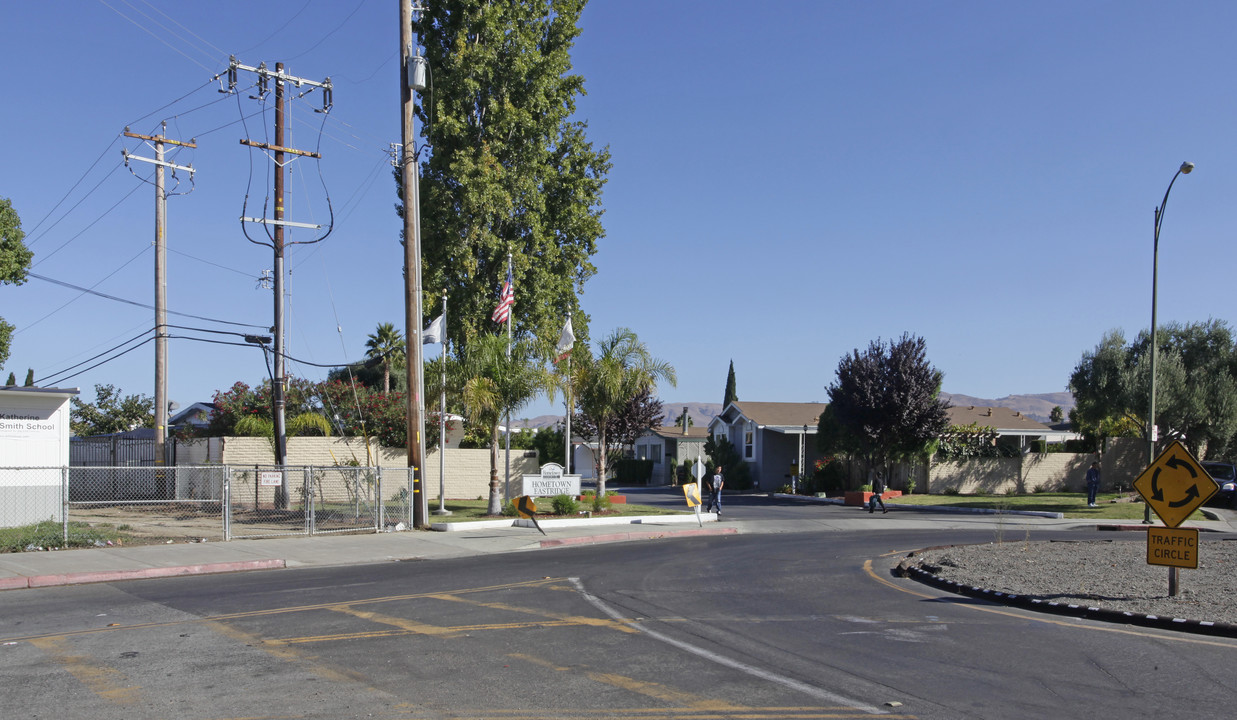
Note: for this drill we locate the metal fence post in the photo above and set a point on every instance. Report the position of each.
(226, 499)
(64, 503)
(381, 511)
(310, 500)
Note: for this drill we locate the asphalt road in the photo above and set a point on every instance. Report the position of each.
(796, 625)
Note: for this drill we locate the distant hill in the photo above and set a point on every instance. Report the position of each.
(1036, 407)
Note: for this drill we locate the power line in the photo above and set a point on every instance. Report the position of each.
(84, 290)
(208, 262)
(31, 240)
(57, 375)
(134, 303)
(152, 34)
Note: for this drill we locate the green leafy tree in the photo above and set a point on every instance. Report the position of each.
(607, 383)
(29, 378)
(550, 445)
(111, 412)
(1196, 387)
(722, 452)
(385, 344)
(510, 170)
(1056, 415)
(641, 412)
(501, 380)
(732, 393)
(15, 260)
(885, 403)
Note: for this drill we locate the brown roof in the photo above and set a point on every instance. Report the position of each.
(994, 417)
(694, 432)
(781, 414)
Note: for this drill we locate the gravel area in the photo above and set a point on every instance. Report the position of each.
(1109, 574)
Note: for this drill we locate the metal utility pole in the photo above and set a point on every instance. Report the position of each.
(412, 80)
(161, 288)
(277, 241)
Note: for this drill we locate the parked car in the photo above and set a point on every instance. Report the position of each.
(1225, 475)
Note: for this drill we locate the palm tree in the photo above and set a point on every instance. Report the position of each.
(498, 383)
(605, 384)
(387, 343)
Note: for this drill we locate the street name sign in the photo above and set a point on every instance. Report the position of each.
(1175, 485)
(1174, 547)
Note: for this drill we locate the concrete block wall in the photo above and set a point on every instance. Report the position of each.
(467, 471)
(993, 476)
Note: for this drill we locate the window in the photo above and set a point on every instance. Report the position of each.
(749, 441)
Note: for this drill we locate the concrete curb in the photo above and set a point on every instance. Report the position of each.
(103, 576)
(644, 535)
(1200, 627)
(929, 508)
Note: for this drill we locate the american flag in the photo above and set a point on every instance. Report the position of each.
(505, 300)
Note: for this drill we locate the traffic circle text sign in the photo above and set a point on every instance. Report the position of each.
(1175, 485)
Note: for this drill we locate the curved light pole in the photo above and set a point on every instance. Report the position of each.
(1185, 169)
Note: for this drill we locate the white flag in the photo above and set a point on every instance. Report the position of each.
(565, 341)
(433, 334)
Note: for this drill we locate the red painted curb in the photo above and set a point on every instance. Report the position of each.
(645, 535)
(146, 573)
(12, 583)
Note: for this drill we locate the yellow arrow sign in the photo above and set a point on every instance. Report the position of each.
(692, 492)
(1175, 485)
(525, 506)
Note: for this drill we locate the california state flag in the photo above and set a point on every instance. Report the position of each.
(565, 341)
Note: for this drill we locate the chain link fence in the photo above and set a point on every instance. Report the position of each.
(199, 503)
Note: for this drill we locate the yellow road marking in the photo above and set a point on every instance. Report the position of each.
(106, 682)
(408, 626)
(574, 619)
(1031, 615)
(653, 690)
(285, 610)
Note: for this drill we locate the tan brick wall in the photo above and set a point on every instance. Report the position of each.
(990, 475)
(1046, 472)
(467, 471)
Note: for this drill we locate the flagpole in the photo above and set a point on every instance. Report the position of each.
(442, 418)
(510, 313)
(568, 449)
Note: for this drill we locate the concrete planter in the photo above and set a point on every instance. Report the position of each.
(614, 499)
(859, 498)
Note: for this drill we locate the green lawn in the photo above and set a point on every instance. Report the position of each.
(1112, 506)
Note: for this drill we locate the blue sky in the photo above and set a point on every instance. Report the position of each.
(791, 180)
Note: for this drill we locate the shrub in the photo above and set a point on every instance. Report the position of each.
(910, 487)
(564, 505)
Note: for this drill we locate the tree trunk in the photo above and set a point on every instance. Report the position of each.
(495, 507)
(601, 461)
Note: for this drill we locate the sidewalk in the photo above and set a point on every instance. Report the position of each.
(69, 567)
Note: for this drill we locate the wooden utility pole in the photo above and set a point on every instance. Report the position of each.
(412, 68)
(279, 379)
(161, 287)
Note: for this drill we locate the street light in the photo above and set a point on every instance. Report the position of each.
(1185, 169)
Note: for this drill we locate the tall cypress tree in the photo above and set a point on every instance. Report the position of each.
(30, 377)
(731, 393)
(509, 169)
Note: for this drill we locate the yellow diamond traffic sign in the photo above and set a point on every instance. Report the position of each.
(1175, 485)
(692, 492)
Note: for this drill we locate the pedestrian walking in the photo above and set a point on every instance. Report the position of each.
(878, 489)
(1093, 483)
(715, 491)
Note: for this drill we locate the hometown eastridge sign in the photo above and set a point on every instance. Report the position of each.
(551, 482)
